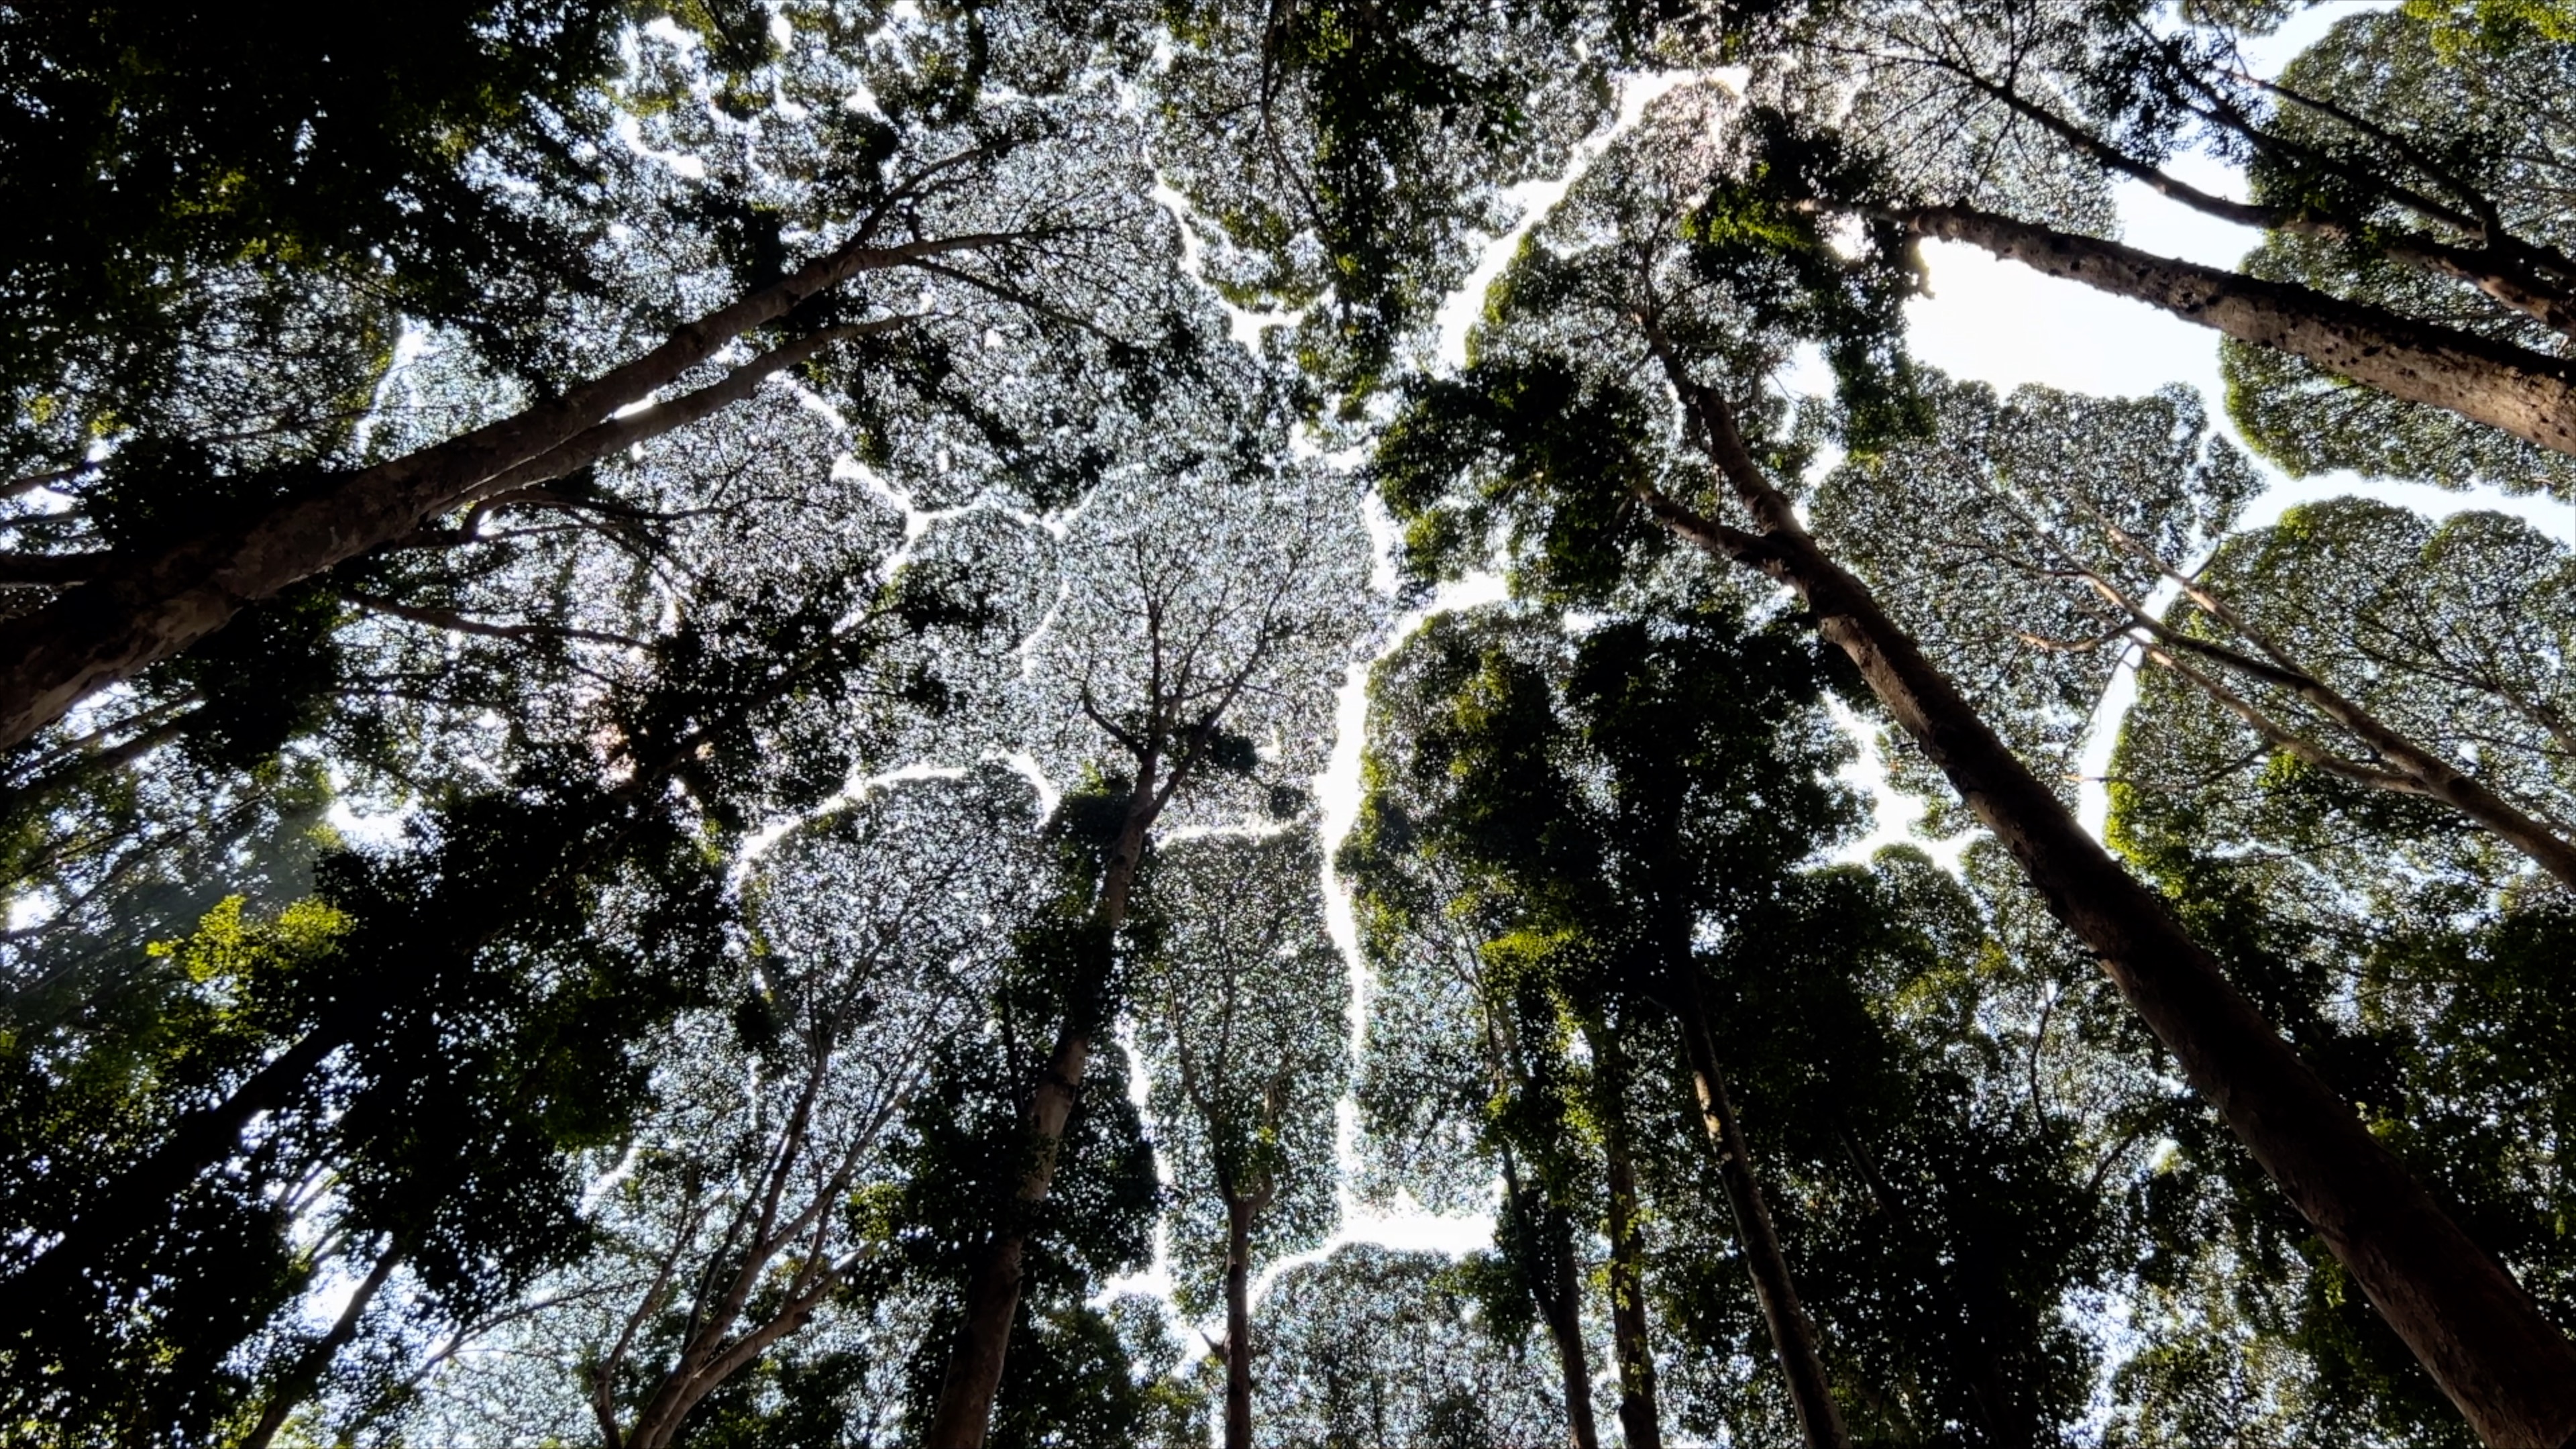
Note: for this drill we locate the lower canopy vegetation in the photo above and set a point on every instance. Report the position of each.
(810, 724)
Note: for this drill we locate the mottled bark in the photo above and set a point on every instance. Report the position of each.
(2528, 394)
(2486, 1343)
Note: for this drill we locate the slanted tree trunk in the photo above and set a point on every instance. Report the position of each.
(974, 1375)
(1638, 1419)
(147, 607)
(2528, 394)
(305, 1376)
(2486, 1343)
(1793, 1335)
(1559, 1307)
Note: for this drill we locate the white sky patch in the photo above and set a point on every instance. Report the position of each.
(2005, 325)
(1243, 325)
(1894, 815)
(630, 131)
(1458, 315)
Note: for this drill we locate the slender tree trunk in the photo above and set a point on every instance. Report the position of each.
(1559, 1307)
(1638, 1420)
(148, 607)
(1793, 1335)
(306, 1374)
(964, 1411)
(2404, 767)
(2510, 1370)
(1562, 1307)
(1238, 1323)
(2528, 394)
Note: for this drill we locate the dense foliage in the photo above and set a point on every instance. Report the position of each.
(840, 723)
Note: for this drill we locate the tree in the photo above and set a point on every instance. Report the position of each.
(204, 198)
(497, 964)
(2411, 251)
(2049, 521)
(741, 1221)
(935, 197)
(2476, 1331)
(1196, 593)
(1241, 1007)
(1493, 776)
(1385, 1349)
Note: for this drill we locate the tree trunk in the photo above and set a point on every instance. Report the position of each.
(964, 1411)
(306, 1375)
(2487, 1344)
(2528, 394)
(2404, 767)
(1793, 1336)
(152, 606)
(1638, 1420)
(1560, 1308)
(1238, 1323)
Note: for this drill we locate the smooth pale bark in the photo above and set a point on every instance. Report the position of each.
(305, 1376)
(2528, 394)
(148, 607)
(1793, 1334)
(2487, 1344)
(974, 1375)
(1639, 1422)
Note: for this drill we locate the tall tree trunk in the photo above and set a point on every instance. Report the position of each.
(1559, 1305)
(1638, 1420)
(2486, 1343)
(1238, 1323)
(1793, 1335)
(2528, 394)
(964, 1411)
(301, 1380)
(148, 607)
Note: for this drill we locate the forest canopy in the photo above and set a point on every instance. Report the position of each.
(823, 724)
